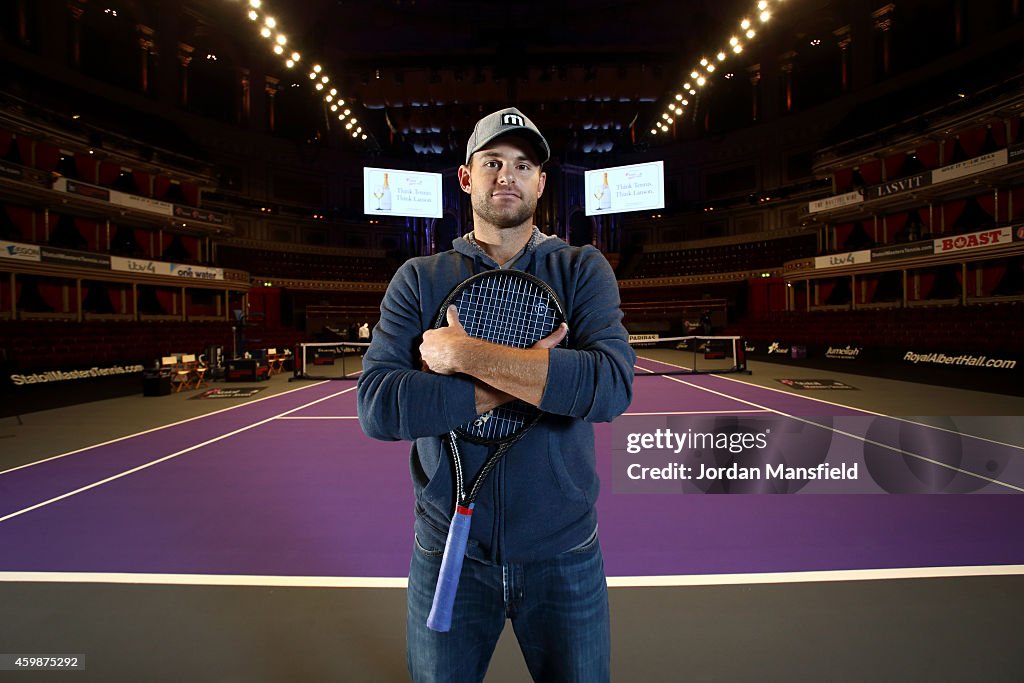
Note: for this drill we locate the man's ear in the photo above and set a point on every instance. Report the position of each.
(540, 183)
(465, 182)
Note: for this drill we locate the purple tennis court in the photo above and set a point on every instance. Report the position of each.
(288, 486)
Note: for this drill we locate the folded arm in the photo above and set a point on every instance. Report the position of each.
(503, 372)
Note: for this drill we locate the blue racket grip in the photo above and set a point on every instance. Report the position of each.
(440, 617)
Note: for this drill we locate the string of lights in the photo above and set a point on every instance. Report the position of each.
(268, 29)
(702, 73)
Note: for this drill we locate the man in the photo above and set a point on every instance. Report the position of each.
(533, 554)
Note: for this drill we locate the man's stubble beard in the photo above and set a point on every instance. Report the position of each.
(503, 219)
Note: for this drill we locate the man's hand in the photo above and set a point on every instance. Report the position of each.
(442, 349)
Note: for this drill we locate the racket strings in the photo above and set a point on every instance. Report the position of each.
(506, 310)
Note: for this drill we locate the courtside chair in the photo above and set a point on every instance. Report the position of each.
(199, 373)
(183, 375)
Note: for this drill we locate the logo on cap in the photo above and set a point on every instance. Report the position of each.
(512, 120)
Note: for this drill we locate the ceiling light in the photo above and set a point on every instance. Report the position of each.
(765, 16)
(750, 33)
(271, 22)
(265, 32)
(296, 56)
(281, 40)
(738, 49)
(254, 15)
(745, 24)
(289, 63)
(278, 49)
(255, 4)
(316, 68)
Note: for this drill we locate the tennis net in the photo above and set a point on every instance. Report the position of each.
(693, 355)
(655, 356)
(329, 360)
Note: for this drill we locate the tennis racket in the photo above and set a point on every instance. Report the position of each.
(506, 307)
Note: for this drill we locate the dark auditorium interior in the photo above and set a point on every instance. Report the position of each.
(182, 191)
(810, 183)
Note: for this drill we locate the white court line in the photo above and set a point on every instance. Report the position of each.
(167, 457)
(848, 434)
(700, 412)
(815, 576)
(828, 576)
(1019, 447)
(156, 429)
(321, 417)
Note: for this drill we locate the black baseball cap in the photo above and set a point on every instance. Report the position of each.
(504, 122)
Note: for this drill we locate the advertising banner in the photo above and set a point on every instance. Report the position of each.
(19, 251)
(850, 258)
(637, 187)
(390, 192)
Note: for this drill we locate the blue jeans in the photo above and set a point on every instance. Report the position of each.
(558, 608)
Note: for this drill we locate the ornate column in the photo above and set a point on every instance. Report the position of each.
(786, 69)
(754, 75)
(77, 9)
(146, 45)
(883, 17)
(270, 88)
(245, 97)
(22, 20)
(184, 58)
(843, 40)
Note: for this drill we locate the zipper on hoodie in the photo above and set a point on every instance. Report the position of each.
(499, 512)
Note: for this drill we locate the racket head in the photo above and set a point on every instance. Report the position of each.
(511, 308)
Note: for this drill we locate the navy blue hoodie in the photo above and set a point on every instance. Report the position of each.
(540, 499)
